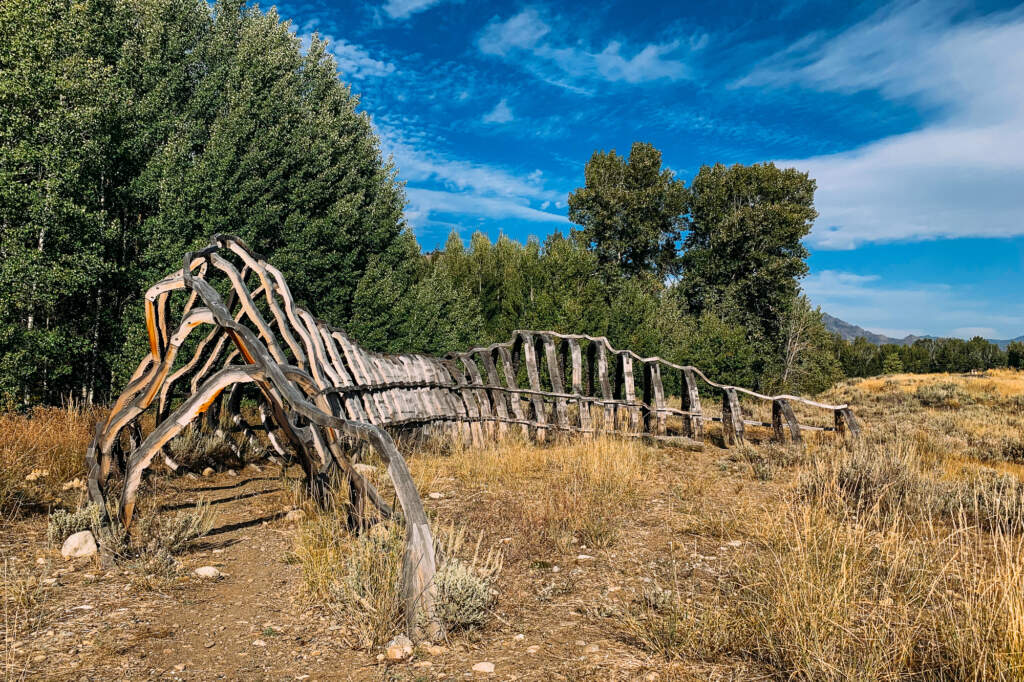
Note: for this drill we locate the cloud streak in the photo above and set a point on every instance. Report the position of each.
(442, 184)
(527, 38)
(917, 308)
(959, 175)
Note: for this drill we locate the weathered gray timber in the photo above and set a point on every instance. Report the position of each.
(320, 395)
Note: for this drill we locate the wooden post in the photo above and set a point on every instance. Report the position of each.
(732, 418)
(846, 423)
(782, 417)
(693, 426)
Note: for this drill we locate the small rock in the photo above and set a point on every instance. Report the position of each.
(584, 557)
(208, 471)
(436, 496)
(258, 642)
(189, 475)
(364, 469)
(49, 582)
(179, 667)
(505, 541)
(532, 649)
(39, 658)
(207, 572)
(81, 544)
(483, 667)
(209, 645)
(422, 664)
(591, 649)
(40, 561)
(254, 467)
(555, 569)
(399, 649)
(580, 642)
(380, 657)
(520, 637)
(232, 472)
(734, 543)
(295, 516)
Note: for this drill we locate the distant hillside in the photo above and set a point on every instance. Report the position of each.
(849, 332)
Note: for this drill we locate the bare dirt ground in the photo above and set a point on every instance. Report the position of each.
(554, 618)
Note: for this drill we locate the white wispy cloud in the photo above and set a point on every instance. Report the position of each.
(439, 183)
(528, 37)
(959, 175)
(500, 114)
(403, 9)
(354, 61)
(916, 308)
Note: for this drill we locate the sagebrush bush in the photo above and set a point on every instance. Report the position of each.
(464, 597)
(885, 479)
(465, 588)
(942, 395)
(63, 523)
(990, 499)
(173, 535)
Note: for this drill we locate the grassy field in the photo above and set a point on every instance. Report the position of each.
(900, 556)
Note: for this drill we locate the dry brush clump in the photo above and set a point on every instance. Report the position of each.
(359, 576)
(41, 452)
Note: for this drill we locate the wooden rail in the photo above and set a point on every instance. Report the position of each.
(319, 392)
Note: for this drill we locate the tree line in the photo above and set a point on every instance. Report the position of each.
(132, 130)
(860, 358)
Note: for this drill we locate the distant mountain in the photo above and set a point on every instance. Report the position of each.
(849, 332)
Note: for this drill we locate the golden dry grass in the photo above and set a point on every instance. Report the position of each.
(901, 557)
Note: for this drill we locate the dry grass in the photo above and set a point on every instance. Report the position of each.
(899, 557)
(567, 493)
(40, 451)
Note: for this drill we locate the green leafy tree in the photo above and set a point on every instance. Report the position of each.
(132, 130)
(632, 212)
(1015, 355)
(892, 364)
(743, 248)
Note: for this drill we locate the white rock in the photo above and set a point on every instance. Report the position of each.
(520, 637)
(483, 667)
(81, 544)
(584, 557)
(532, 649)
(734, 543)
(40, 561)
(232, 472)
(208, 471)
(295, 516)
(436, 496)
(208, 572)
(259, 642)
(591, 649)
(399, 649)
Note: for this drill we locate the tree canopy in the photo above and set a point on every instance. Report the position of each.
(132, 130)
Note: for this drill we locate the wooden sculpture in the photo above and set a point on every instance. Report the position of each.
(321, 394)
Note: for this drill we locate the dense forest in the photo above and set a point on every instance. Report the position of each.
(132, 130)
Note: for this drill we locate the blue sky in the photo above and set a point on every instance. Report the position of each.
(910, 116)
